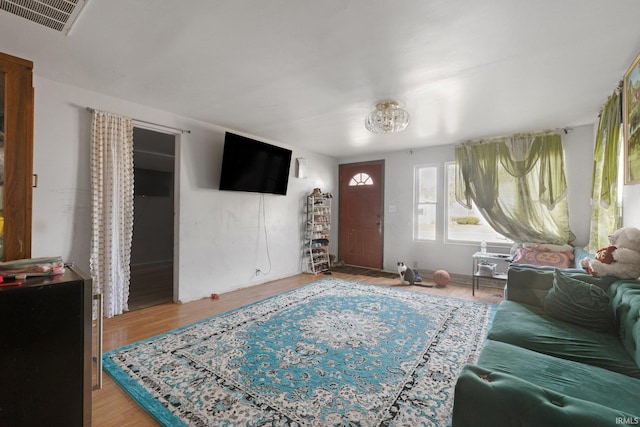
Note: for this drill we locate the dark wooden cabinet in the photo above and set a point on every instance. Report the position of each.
(45, 351)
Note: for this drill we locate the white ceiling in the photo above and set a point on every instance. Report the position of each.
(306, 73)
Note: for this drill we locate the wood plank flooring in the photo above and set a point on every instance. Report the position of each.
(151, 284)
(113, 407)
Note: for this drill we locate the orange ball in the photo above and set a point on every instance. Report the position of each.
(441, 278)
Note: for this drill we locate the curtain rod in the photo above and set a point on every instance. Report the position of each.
(91, 110)
(555, 131)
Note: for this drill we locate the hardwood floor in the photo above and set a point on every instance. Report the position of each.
(113, 407)
(151, 284)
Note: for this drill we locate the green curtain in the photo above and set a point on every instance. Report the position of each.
(605, 205)
(518, 185)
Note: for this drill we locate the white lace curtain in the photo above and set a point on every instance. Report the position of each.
(112, 208)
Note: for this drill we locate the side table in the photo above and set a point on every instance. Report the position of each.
(499, 274)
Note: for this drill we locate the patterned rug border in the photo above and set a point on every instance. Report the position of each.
(162, 414)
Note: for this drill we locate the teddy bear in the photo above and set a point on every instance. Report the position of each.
(620, 259)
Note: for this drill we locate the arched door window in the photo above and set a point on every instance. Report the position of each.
(360, 179)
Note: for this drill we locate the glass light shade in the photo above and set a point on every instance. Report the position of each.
(388, 117)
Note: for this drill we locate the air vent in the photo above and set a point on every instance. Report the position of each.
(56, 14)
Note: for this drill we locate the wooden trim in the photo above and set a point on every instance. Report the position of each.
(15, 60)
(627, 99)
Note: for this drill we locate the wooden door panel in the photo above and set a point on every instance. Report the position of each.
(353, 246)
(18, 157)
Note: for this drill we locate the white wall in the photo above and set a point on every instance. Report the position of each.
(220, 234)
(456, 258)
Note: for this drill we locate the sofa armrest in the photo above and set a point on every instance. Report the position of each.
(485, 398)
(625, 300)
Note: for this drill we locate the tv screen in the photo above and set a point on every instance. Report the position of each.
(147, 182)
(254, 166)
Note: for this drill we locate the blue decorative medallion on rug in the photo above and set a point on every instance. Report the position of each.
(332, 353)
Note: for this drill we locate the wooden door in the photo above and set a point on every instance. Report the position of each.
(361, 213)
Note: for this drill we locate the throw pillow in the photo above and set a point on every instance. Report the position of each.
(543, 257)
(578, 302)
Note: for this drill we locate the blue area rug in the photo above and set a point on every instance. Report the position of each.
(334, 352)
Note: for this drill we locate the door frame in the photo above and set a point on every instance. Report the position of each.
(177, 135)
(382, 201)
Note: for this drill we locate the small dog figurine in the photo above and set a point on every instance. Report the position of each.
(406, 274)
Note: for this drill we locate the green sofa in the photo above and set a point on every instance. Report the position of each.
(536, 370)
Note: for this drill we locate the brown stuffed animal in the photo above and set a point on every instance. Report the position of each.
(605, 255)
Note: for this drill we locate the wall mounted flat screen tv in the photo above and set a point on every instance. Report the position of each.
(254, 166)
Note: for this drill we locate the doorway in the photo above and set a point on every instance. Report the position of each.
(152, 248)
(361, 213)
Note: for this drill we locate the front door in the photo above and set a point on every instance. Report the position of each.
(361, 209)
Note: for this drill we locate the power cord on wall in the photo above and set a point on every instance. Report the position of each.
(266, 236)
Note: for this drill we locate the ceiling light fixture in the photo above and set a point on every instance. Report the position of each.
(388, 117)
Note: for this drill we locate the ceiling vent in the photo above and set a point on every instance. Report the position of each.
(56, 14)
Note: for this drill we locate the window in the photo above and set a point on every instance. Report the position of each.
(426, 199)
(361, 179)
(464, 224)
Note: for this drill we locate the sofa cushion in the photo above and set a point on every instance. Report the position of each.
(529, 284)
(530, 327)
(562, 376)
(487, 398)
(579, 302)
(625, 300)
